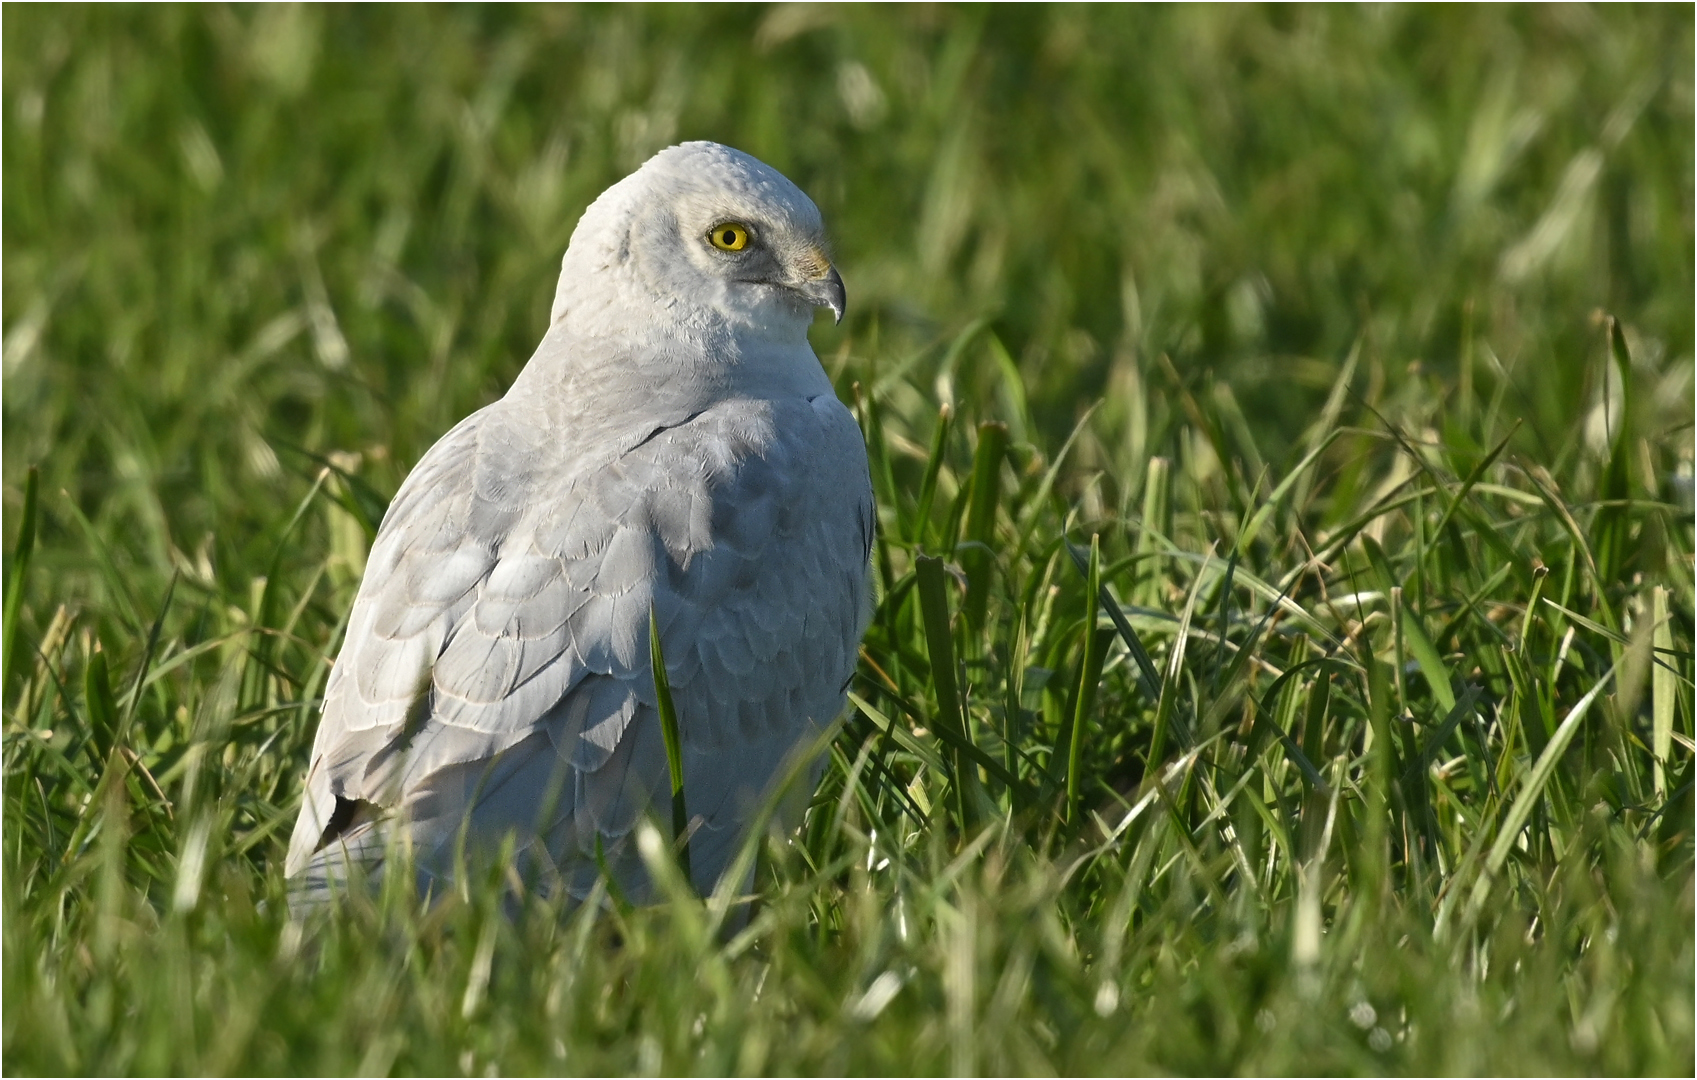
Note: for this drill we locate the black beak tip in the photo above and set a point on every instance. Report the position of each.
(826, 291)
(833, 296)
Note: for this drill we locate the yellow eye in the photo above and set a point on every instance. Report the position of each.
(729, 236)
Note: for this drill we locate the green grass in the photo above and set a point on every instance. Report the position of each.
(1349, 351)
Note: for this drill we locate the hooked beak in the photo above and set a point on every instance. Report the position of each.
(827, 291)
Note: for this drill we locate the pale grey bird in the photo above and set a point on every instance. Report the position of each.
(673, 444)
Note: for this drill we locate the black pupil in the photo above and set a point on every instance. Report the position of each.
(730, 237)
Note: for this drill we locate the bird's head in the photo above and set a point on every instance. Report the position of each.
(705, 234)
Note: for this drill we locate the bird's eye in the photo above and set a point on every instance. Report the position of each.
(729, 236)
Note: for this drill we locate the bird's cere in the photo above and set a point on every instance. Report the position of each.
(672, 459)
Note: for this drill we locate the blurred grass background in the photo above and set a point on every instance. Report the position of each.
(1200, 243)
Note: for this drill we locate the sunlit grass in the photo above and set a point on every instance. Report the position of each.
(1281, 423)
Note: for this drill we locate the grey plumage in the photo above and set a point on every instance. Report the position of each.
(673, 445)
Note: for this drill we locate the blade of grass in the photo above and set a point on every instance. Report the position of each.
(979, 560)
(934, 611)
(1664, 689)
(674, 744)
(928, 486)
(1609, 526)
(1090, 676)
(101, 705)
(20, 567)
